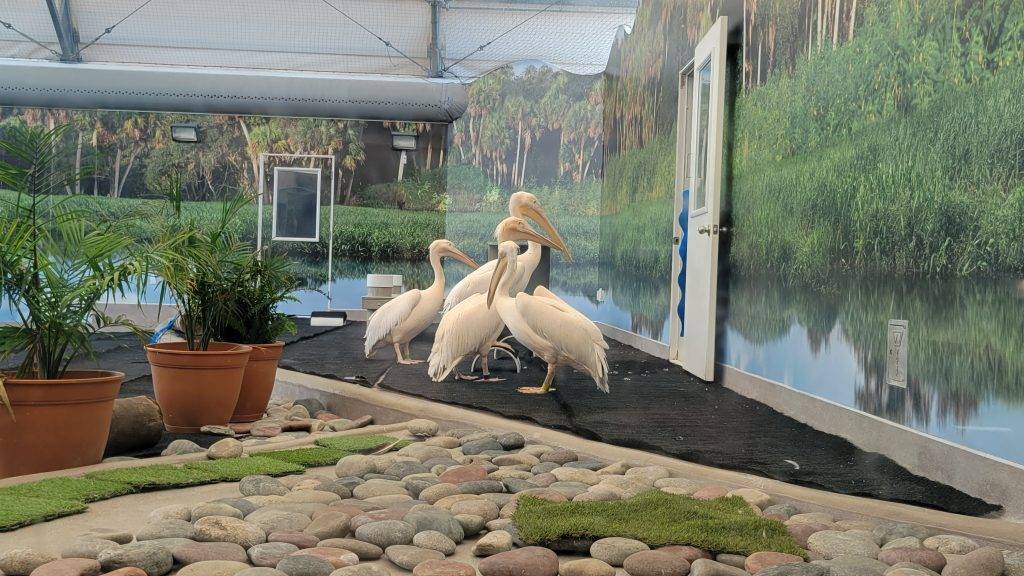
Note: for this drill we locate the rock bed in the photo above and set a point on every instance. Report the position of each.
(409, 510)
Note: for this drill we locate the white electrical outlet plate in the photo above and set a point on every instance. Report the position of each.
(896, 354)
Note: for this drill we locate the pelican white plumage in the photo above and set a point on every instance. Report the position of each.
(403, 317)
(520, 205)
(556, 332)
(471, 326)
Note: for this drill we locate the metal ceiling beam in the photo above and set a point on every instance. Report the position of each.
(48, 84)
(61, 18)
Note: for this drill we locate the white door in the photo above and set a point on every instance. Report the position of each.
(699, 186)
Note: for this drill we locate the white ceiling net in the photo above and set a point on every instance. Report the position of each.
(391, 37)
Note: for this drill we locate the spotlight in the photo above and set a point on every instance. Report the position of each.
(186, 132)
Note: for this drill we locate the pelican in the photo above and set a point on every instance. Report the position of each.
(471, 326)
(520, 205)
(547, 325)
(402, 318)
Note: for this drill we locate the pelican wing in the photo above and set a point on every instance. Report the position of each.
(592, 330)
(476, 282)
(571, 333)
(463, 330)
(387, 317)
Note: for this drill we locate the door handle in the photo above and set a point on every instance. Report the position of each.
(715, 229)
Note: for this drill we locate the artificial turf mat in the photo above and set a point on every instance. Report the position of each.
(80, 489)
(308, 457)
(658, 519)
(156, 477)
(358, 443)
(17, 511)
(234, 469)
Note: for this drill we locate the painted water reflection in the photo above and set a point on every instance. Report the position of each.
(965, 373)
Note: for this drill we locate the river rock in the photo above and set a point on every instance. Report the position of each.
(434, 540)
(86, 548)
(890, 531)
(213, 568)
(760, 560)
(532, 560)
(226, 448)
(493, 543)
(950, 544)
(305, 565)
(981, 562)
(443, 568)
(930, 559)
(615, 550)
(154, 560)
(362, 570)
(275, 520)
(374, 488)
(22, 561)
(705, 567)
(259, 485)
(511, 440)
(135, 425)
(268, 555)
(338, 557)
(656, 563)
(328, 525)
(832, 543)
(438, 520)
(228, 529)
(409, 557)
(192, 552)
(850, 565)
(461, 474)
(364, 550)
(483, 508)
(421, 427)
(1014, 562)
(214, 509)
(357, 465)
(165, 529)
(586, 567)
(69, 567)
(800, 569)
(753, 496)
(386, 533)
(299, 539)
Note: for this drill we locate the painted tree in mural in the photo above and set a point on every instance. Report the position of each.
(512, 113)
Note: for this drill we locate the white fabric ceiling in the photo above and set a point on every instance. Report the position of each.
(313, 36)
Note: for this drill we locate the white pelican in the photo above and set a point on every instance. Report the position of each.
(520, 205)
(471, 326)
(402, 318)
(546, 325)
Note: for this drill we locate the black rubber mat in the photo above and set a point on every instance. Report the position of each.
(655, 406)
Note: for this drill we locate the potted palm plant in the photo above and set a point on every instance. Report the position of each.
(56, 265)
(263, 282)
(197, 381)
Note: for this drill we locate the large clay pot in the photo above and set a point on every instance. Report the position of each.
(195, 388)
(61, 423)
(258, 382)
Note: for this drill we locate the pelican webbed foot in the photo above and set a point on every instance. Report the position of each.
(537, 390)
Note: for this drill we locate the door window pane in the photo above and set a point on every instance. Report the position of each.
(700, 194)
(296, 204)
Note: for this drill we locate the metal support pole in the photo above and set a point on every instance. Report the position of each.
(61, 19)
(330, 241)
(259, 210)
(436, 57)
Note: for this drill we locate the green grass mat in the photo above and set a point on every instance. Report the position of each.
(78, 489)
(156, 477)
(234, 469)
(658, 519)
(17, 511)
(360, 443)
(309, 457)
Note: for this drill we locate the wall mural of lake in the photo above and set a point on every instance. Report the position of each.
(873, 173)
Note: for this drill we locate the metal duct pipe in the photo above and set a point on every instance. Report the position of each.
(41, 83)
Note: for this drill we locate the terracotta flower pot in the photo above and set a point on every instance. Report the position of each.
(258, 382)
(61, 423)
(195, 388)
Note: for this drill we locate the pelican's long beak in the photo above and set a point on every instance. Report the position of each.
(536, 213)
(499, 271)
(461, 257)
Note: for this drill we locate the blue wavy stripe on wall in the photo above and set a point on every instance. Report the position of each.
(684, 216)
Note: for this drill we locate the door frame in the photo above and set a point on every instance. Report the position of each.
(715, 44)
(680, 206)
